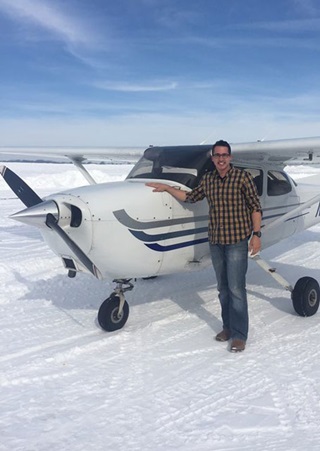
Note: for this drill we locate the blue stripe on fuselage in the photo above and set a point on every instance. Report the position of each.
(159, 248)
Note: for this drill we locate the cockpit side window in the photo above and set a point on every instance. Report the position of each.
(278, 183)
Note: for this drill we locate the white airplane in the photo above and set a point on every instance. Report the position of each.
(123, 230)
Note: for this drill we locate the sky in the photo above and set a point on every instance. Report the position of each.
(162, 383)
(141, 72)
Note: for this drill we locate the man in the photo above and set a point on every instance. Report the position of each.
(234, 219)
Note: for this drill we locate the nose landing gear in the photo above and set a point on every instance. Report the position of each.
(114, 311)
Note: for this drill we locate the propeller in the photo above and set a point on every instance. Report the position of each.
(39, 212)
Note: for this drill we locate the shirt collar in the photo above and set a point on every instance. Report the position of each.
(216, 173)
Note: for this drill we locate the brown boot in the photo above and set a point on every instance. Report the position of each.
(224, 335)
(237, 345)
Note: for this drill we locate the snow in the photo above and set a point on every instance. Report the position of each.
(162, 382)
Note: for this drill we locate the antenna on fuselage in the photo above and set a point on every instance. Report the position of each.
(209, 137)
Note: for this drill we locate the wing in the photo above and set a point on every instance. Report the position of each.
(81, 154)
(282, 152)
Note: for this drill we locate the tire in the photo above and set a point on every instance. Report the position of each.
(108, 314)
(306, 296)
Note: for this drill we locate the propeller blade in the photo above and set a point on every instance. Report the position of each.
(20, 188)
(52, 223)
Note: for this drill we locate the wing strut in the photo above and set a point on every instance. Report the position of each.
(78, 164)
(272, 271)
(291, 213)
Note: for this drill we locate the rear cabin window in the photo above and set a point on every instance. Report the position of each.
(278, 183)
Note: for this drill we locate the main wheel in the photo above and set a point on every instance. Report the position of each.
(306, 296)
(108, 317)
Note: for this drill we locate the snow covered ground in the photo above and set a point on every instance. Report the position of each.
(162, 382)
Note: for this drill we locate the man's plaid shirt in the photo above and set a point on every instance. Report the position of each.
(231, 200)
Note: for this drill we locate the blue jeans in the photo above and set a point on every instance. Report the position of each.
(230, 262)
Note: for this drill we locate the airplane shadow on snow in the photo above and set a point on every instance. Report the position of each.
(85, 292)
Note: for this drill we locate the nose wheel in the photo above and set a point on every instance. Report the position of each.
(114, 311)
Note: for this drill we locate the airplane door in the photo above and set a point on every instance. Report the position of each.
(277, 196)
(189, 235)
(280, 197)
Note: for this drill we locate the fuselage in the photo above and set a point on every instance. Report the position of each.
(124, 230)
(129, 231)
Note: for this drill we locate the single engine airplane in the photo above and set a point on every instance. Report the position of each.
(122, 230)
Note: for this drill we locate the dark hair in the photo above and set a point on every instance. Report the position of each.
(222, 143)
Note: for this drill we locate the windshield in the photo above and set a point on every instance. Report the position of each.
(182, 164)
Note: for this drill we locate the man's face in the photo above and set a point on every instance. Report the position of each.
(221, 158)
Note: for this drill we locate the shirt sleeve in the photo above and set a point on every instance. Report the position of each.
(251, 193)
(197, 193)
